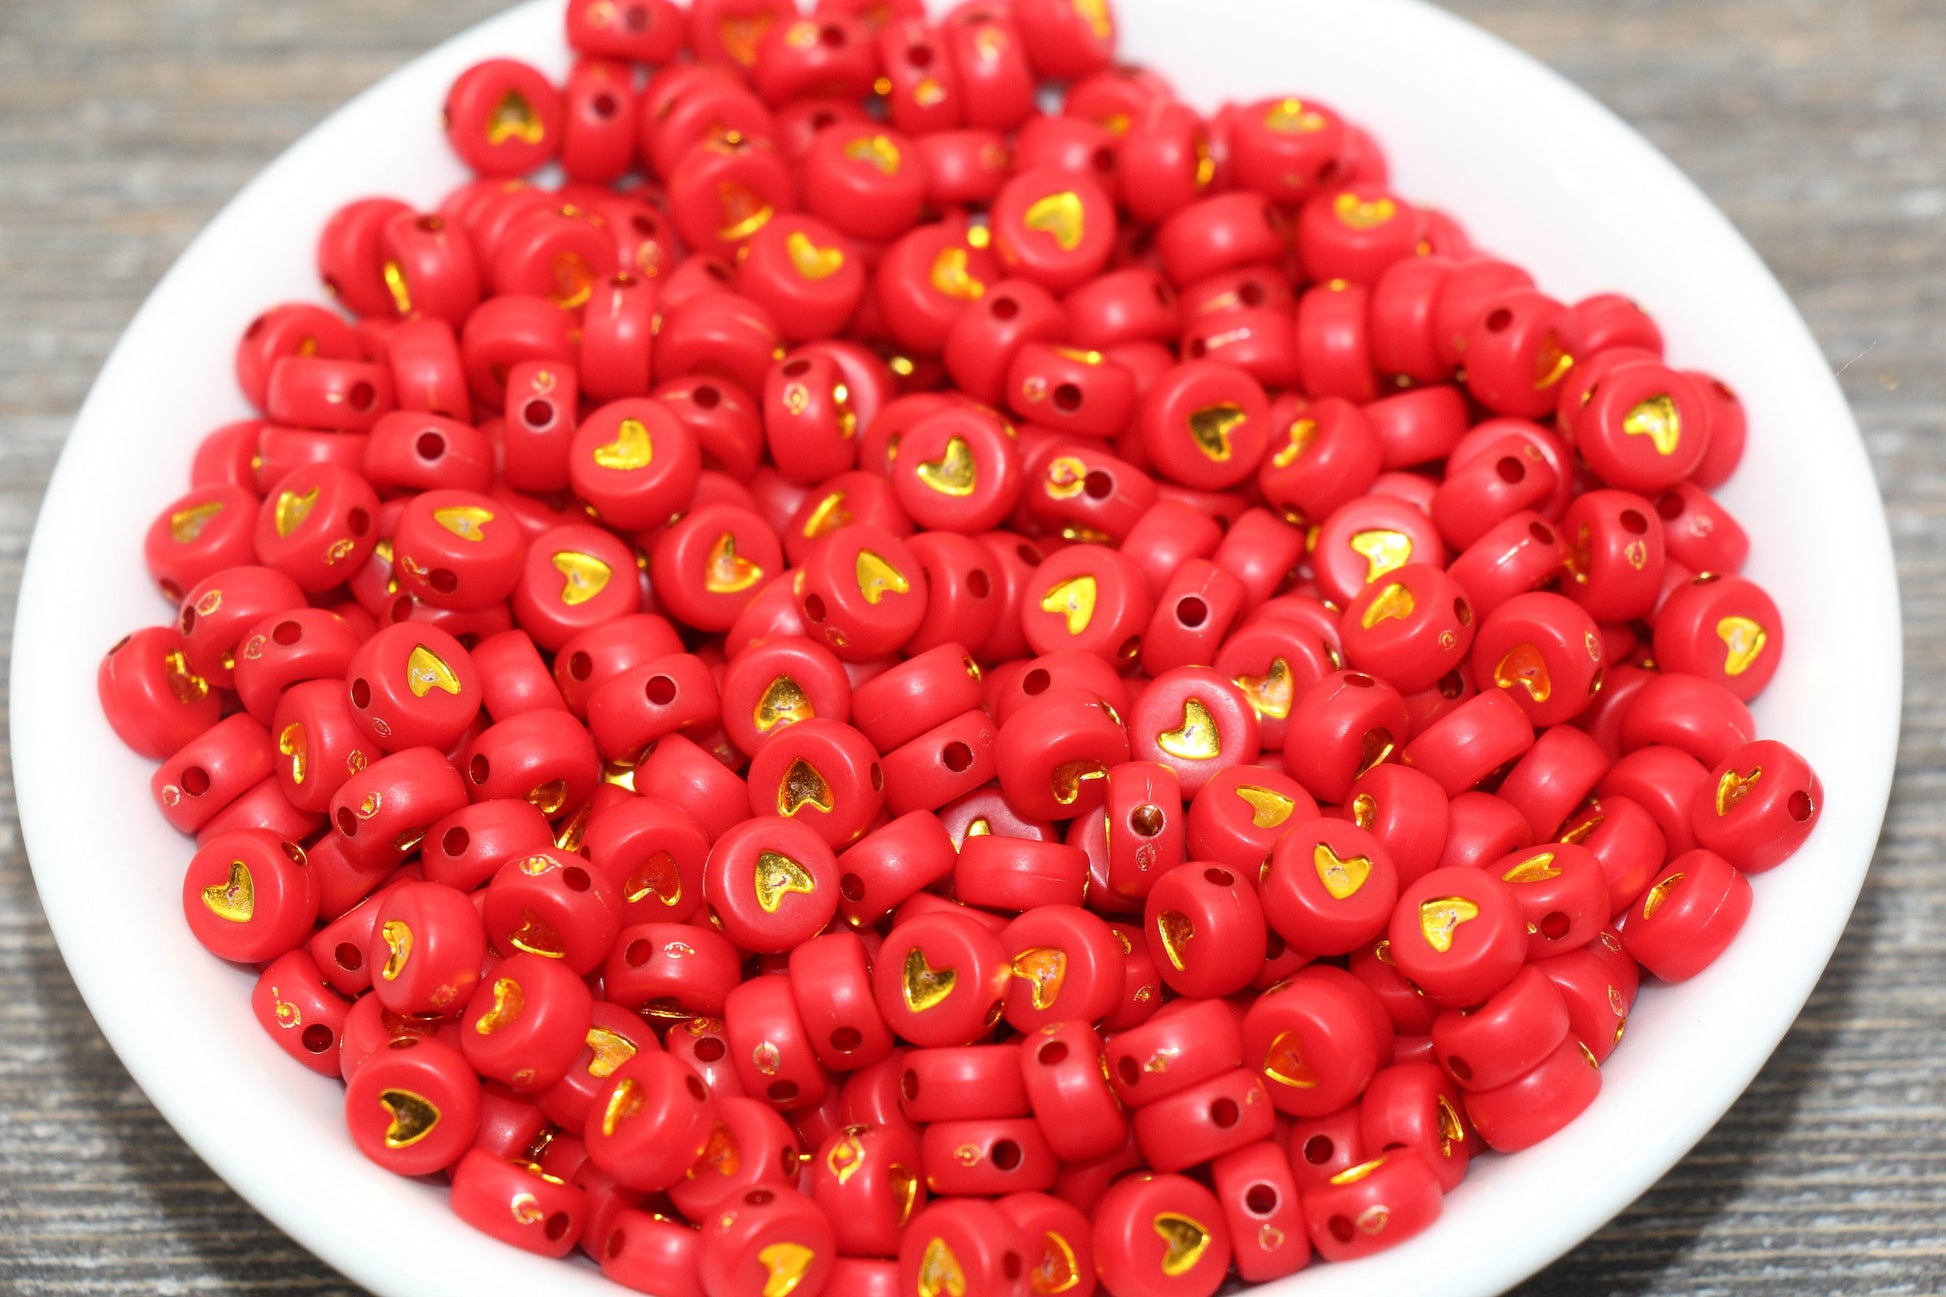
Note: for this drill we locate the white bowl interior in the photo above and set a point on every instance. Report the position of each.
(1533, 168)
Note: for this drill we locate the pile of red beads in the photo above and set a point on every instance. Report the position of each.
(888, 692)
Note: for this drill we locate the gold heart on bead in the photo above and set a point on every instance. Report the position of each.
(234, 900)
(586, 576)
(925, 986)
(1061, 217)
(413, 1117)
(631, 448)
(1743, 639)
(778, 876)
(1197, 738)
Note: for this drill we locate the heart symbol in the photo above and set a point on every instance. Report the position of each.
(1451, 1130)
(802, 783)
(1535, 869)
(1074, 599)
(847, 1155)
(1364, 810)
(1045, 970)
(1284, 1063)
(1184, 1242)
(1658, 894)
(631, 448)
(1342, 876)
(1360, 214)
(940, 1274)
(1298, 439)
(785, 1265)
(398, 947)
(1211, 427)
(413, 1117)
(657, 876)
(1394, 602)
(1067, 779)
(874, 150)
(877, 578)
(186, 525)
(777, 876)
(1270, 693)
(537, 937)
(1176, 931)
(611, 1050)
(1440, 917)
(783, 703)
(508, 1001)
(1059, 216)
(951, 277)
(1524, 666)
(235, 900)
(1743, 640)
(1382, 550)
(739, 36)
(574, 281)
(624, 1102)
(1657, 419)
(514, 118)
(586, 576)
(830, 515)
(1197, 739)
(744, 212)
(721, 1155)
(426, 671)
(290, 743)
(292, 509)
(1581, 832)
(1291, 117)
(466, 521)
(905, 1189)
(1552, 363)
(811, 261)
(395, 283)
(1268, 808)
(1733, 788)
(925, 986)
(953, 472)
(727, 572)
(1056, 1271)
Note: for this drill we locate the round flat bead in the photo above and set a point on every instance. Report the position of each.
(941, 980)
(1372, 1206)
(772, 883)
(1458, 934)
(1161, 1236)
(1761, 802)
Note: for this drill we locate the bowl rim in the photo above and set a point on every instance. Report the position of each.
(167, 1048)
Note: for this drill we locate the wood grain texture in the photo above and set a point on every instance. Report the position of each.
(1818, 125)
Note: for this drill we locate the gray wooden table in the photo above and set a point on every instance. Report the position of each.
(1818, 125)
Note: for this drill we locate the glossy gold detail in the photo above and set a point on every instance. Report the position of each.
(1658, 894)
(1441, 917)
(1732, 788)
(940, 1274)
(1073, 599)
(727, 572)
(743, 212)
(611, 1050)
(1196, 739)
(1342, 876)
(953, 473)
(1291, 117)
(1451, 1130)
(1067, 778)
(1537, 868)
(186, 525)
(1045, 970)
(537, 937)
(1284, 1063)
(1582, 831)
(1211, 426)
(1743, 639)
(847, 1155)
(1184, 1240)
(829, 515)
(549, 798)
(777, 876)
(1356, 213)
(514, 118)
(1373, 1219)
(1298, 439)
(397, 937)
(1176, 931)
(785, 1265)
(426, 671)
(905, 1189)
(741, 34)
(1059, 216)
(1524, 666)
(1382, 550)
(1268, 807)
(1272, 692)
(951, 277)
(290, 743)
(876, 578)
(925, 987)
(783, 702)
(631, 448)
(624, 1102)
(509, 1000)
(186, 685)
(1066, 477)
(1657, 419)
(1364, 811)
(235, 900)
(466, 521)
(1551, 362)
(876, 150)
(1352, 1175)
(413, 1117)
(801, 784)
(1394, 602)
(586, 576)
(766, 1058)
(1095, 14)
(292, 509)
(811, 261)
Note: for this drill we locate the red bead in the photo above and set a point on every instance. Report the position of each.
(1197, 722)
(772, 883)
(549, 904)
(808, 275)
(1261, 1206)
(960, 1244)
(518, 1203)
(1724, 629)
(1241, 813)
(1644, 428)
(1084, 494)
(1341, 728)
(1205, 424)
(831, 980)
(413, 686)
(1161, 1236)
(777, 683)
(940, 980)
(1328, 887)
(650, 1122)
(892, 864)
(210, 771)
(1698, 716)
(1286, 148)
(1700, 534)
(1543, 652)
(525, 1024)
(1528, 1109)
(1458, 934)
(1760, 804)
(1667, 783)
(1555, 776)
(1188, 1042)
(428, 945)
(770, 1047)
(1512, 1033)
(669, 969)
(1218, 1116)
(574, 577)
(857, 593)
(1142, 829)
(249, 896)
(413, 1107)
(414, 451)
(679, 771)
(1519, 554)
(866, 1179)
(1417, 1106)
(1372, 1206)
(450, 550)
(649, 1252)
(823, 773)
(1054, 759)
(154, 702)
(503, 118)
(635, 463)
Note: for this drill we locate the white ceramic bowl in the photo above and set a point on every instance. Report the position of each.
(1533, 168)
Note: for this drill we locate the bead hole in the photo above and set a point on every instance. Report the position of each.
(1218, 877)
(1191, 611)
(706, 397)
(195, 781)
(978, 583)
(1340, 1228)
(1540, 533)
(349, 956)
(1099, 484)
(430, 445)
(638, 952)
(781, 1091)
(1006, 1155)
(1462, 612)
(660, 691)
(846, 1039)
(814, 609)
(538, 413)
(1005, 308)
(852, 888)
(1554, 925)
(710, 1049)
(580, 665)
(1498, 321)
(455, 842)
(557, 1226)
(363, 396)
(1510, 469)
(1067, 398)
(1129, 1071)
(1318, 1149)
(797, 368)
(287, 633)
(1147, 820)
(1052, 1054)
(1261, 1199)
(317, 1038)
(957, 757)
(1224, 1113)
(1633, 522)
(479, 768)
(1459, 1068)
(1799, 806)
(1035, 682)
(575, 879)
